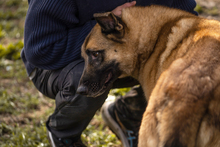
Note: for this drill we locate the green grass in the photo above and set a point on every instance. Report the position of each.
(19, 101)
(212, 11)
(12, 16)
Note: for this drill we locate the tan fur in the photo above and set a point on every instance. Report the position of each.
(176, 58)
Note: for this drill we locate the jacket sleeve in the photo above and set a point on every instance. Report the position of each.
(52, 37)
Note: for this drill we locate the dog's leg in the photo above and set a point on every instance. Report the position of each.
(176, 108)
(148, 135)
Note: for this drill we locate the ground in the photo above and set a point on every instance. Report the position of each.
(23, 110)
(209, 8)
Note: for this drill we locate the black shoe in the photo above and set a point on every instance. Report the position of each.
(58, 142)
(125, 129)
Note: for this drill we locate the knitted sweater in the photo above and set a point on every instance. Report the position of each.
(55, 29)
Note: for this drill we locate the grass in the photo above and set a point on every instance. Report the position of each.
(202, 10)
(20, 125)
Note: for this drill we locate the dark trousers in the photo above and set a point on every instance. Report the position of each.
(73, 112)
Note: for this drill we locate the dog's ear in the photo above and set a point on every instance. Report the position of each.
(110, 23)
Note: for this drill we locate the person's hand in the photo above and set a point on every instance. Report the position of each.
(117, 10)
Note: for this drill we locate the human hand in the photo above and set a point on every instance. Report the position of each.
(117, 11)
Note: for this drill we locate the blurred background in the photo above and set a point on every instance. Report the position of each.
(23, 110)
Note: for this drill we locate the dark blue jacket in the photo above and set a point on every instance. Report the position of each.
(55, 29)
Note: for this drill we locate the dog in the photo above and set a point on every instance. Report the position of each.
(175, 56)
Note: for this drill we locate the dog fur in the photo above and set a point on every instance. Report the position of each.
(175, 56)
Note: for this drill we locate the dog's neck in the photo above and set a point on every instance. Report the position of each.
(154, 42)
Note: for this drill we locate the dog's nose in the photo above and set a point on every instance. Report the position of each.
(83, 90)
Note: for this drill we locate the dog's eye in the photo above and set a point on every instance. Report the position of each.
(95, 54)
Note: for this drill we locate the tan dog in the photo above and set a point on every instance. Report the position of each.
(176, 58)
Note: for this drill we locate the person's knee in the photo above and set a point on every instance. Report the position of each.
(70, 76)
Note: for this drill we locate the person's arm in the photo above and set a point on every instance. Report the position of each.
(52, 37)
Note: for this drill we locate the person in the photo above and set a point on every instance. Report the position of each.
(53, 34)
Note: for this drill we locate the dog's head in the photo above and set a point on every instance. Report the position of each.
(106, 56)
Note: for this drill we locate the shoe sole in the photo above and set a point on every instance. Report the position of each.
(110, 122)
(50, 139)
